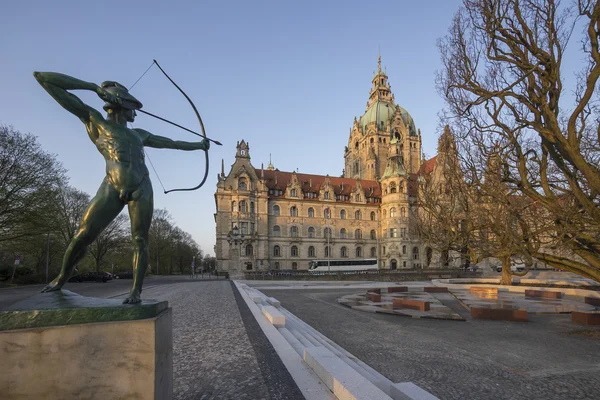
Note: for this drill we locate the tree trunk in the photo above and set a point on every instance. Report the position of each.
(506, 273)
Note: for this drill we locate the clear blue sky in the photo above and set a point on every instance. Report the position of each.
(287, 76)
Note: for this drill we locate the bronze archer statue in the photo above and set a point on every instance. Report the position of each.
(126, 182)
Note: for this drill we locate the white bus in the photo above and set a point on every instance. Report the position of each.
(318, 266)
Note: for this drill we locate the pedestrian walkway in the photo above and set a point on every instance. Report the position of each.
(219, 351)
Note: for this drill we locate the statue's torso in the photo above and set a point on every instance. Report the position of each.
(123, 151)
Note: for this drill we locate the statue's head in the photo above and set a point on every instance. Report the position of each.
(116, 89)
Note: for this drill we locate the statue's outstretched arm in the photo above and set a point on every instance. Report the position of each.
(161, 142)
(57, 85)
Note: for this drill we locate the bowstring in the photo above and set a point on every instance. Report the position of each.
(135, 83)
(145, 152)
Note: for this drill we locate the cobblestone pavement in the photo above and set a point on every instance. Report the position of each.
(546, 358)
(215, 354)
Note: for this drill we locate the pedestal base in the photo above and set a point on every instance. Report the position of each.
(102, 360)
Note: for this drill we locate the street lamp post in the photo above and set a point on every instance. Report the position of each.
(236, 239)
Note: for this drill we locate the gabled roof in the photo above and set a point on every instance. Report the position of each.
(428, 166)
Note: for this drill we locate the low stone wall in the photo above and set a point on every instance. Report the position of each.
(382, 275)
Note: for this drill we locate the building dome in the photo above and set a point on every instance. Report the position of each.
(382, 113)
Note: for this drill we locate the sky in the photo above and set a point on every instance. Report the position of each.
(288, 77)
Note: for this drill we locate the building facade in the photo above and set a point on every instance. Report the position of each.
(271, 219)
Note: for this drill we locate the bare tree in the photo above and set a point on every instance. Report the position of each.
(502, 81)
(115, 236)
(29, 180)
(443, 220)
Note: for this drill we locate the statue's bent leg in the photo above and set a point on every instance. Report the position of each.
(103, 208)
(141, 208)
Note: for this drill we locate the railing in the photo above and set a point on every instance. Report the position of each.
(377, 275)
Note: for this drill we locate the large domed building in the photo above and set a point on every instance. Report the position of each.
(283, 220)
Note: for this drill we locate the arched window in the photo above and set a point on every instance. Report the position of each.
(242, 184)
(327, 251)
(275, 210)
(326, 212)
(392, 212)
(372, 215)
(326, 196)
(311, 251)
(243, 206)
(356, 145)
(294, 251)
(343, 214)
(327, 232)
(276, 230)
(403, 212)
(293, 192)
(357, 214)
(415, 253)
(393, 187)
(249, 250)
(343, 252)
(371, 141)
(311, 232)
(357, 234)
(234, 206)
(373, 252)
(357, 198)
(294, 211)
(373, 235)
(404, 249)
(343, 233)
(294, 265)
(294, 231)
(276, 251)
(358, 252)
(311, 212)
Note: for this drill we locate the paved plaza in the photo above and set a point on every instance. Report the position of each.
(546, 358)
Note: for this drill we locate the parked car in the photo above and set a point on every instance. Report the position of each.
(515, 266)
(91, 277)
(125, 275)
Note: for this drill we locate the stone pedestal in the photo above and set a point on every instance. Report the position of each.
(128, 355)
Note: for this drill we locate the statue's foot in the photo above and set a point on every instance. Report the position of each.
(134, 298)
(53, 286)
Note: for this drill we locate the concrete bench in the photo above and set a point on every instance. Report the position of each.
(339, 377)
(499, 314)
(397, 289)
(545, 294)
(586, 317)
(274, 302)
(594, 301)
(375, 297)
(435, 289)
(411, 304)
(274, 316)
(484, 290)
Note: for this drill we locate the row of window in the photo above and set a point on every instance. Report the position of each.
(243, 206)
(295, 251)
(248, 250)
(326, 213)
(294, 232)
(394, 212)
(415, 251)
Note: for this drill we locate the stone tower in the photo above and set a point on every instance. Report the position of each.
(371, 136)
